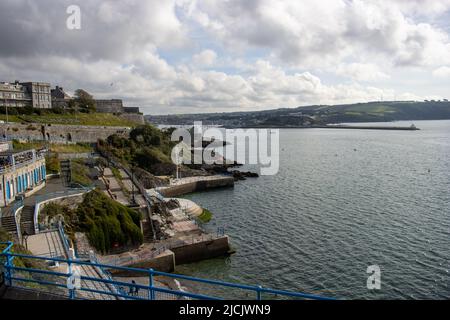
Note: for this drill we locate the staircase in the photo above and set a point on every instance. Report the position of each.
(66, 172)
(147, 231)
(27, 220)
(9, 224)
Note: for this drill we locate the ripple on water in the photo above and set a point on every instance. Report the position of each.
(331, 212)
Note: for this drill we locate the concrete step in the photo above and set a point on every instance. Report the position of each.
(27, 220)
(10, 228)
(9, 224)
(147, 231)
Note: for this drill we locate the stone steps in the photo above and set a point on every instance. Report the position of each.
(9, 224)
(27, 220)
(147, 231)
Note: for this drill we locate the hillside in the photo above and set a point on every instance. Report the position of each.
(317, 115)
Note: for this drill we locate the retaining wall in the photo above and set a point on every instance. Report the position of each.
(178, 190)
(165, 262)
(57, 133)
(204, 250)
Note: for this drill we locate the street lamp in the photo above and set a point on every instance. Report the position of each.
(25, 236)
(132, 187)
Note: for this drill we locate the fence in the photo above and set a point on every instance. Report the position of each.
(66, 282)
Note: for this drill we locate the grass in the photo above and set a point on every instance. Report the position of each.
(80, 173)
(11, 118)
(86, 119)
(206, 216)
(118, 176)
(71, 148)
(54, 147)
(52, 164)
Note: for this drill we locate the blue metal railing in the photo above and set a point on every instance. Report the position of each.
(102, 286)
(64, 239)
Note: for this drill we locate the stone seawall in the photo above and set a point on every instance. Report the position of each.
(58, 133)
(201, 184)
(203, 250)
(164, 262)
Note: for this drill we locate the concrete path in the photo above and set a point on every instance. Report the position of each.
(46, 244)
(89, 271)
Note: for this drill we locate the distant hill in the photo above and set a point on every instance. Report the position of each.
(317, 115)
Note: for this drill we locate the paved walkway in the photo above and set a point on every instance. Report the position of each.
(46, 244)
(114, 187)
(52, 185)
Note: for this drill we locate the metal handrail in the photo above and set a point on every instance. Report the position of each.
(257, 290)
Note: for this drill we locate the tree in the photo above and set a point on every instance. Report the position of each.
(84, 100)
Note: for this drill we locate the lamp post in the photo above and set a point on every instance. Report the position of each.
(7, 122)
(25, 236)
(132, 187)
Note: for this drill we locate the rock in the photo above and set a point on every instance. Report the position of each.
(239, 175)
(148, 180)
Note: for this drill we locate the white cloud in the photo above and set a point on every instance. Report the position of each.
(163, 55)
(206, 58)
(442, 72)
(366, 72)
(313, 33)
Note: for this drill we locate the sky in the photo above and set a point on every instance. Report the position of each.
(194, 56)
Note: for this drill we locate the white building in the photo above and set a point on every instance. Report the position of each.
(21, 173)
(22, 94)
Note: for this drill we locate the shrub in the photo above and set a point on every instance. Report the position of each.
(52, 164)
(108, 223)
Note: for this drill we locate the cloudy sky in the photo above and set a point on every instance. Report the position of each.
(184, 56)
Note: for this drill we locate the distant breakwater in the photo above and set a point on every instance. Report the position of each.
(410, 128)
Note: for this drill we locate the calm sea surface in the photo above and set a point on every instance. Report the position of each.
(343, 200)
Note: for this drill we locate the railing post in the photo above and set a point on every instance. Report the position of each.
(70, 281)
(258, 293)
(151, 292)
(8, 267)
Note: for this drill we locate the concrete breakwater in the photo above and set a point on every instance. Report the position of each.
(193, 184)
(410, 128)
(165, 260)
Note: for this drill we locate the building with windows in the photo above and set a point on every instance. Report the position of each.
(22, 94)
(21, 173)
(109, 106)
(60, 99)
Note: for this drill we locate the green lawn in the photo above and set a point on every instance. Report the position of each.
(54, 147)
(87, 119)
(11, 118)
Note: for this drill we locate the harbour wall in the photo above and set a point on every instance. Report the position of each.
(165, 262)
(182, 254)
(195, 186)
(203, 250)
